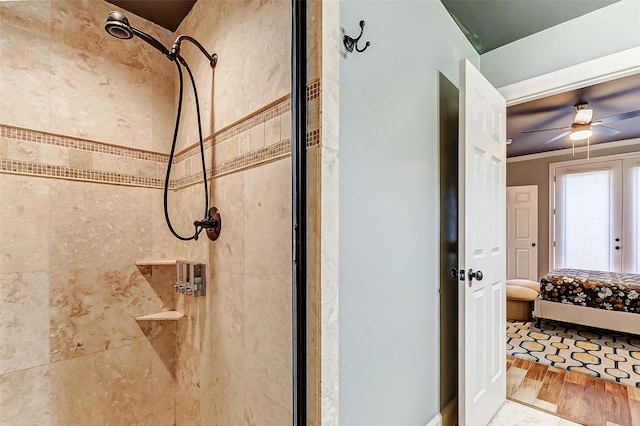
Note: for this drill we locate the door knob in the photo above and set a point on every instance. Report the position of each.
(617, 247)
(478, 275)
(533, 244)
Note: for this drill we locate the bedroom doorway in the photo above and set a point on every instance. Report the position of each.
(575, 391)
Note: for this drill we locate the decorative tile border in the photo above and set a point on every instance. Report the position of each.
(245, 161)
(27, 135)
(107, 163)
(269, 112)
(60, 172)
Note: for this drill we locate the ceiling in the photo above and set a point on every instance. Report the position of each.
(489, 24)
(557, 112)
(166, 13)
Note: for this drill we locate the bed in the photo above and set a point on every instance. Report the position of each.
(608, 300)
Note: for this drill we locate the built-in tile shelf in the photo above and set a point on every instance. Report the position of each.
(162, 316)
(161, 262)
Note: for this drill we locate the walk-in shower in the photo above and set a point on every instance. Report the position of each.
(118, 26)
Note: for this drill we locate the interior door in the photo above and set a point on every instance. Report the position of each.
(482, 248)
(522, 232)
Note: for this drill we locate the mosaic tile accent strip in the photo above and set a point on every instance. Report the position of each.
(151, 166)
(245, 161)
(269, 112)
(28, 135)
(60, 172)
(313, 90)
(313, 138)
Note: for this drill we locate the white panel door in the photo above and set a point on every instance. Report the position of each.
(522, 232)
(482, 248)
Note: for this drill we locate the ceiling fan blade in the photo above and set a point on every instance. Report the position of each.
(606, 131)
(560, 136)
(545, 130)
(617, 117)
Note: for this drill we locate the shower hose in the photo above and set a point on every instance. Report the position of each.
(198, 225)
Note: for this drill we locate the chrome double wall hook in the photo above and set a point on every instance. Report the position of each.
(351, 43)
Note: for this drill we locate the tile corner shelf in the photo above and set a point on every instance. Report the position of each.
(158, 262)
(162, 316)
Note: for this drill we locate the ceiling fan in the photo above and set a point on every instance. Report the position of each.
(583, 126)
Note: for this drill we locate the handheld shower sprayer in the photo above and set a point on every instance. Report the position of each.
(118, 26)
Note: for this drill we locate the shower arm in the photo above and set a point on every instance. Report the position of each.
(175, 50)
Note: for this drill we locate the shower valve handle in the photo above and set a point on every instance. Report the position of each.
(206, 223)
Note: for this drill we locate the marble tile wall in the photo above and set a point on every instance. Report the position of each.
(82, 107)
(70, 292)
(234, 355)
(69, 244)
(262, 136)
(330, 39)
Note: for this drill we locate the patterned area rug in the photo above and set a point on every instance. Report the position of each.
(604, 354)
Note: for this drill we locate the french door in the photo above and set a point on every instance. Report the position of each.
(596, 215)
(631, 215)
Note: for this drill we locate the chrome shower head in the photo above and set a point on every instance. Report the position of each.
(118, 26)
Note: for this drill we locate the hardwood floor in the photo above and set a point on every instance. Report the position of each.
(576, 397)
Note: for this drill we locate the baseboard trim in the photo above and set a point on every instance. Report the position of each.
(436, 421)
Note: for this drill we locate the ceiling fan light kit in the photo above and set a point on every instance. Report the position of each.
(583, 114)
(580, 132)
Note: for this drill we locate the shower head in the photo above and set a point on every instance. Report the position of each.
(118, 26)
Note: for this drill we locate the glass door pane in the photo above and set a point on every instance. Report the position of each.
(588, 216)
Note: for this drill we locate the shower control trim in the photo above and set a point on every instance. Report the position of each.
(212, 224)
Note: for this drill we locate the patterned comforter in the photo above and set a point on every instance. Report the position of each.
(614, 291)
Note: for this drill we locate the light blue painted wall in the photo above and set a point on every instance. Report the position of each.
(605, 31)
(389, 339)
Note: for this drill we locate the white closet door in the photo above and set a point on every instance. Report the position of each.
(630, 242)
(589, 216)
(522, 232)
